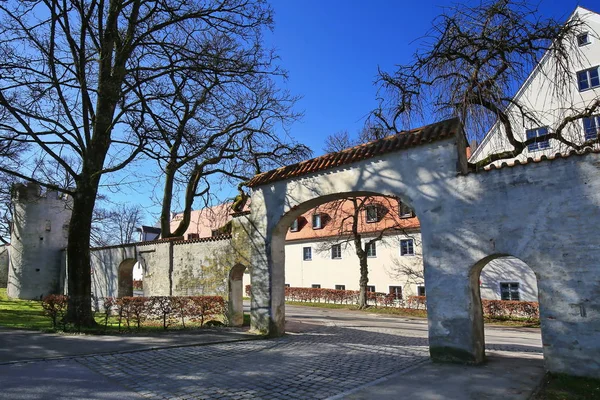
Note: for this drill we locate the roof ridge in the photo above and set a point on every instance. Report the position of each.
(395, 142)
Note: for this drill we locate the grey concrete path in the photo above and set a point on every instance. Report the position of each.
(22, 345)
(328, 354)
(505, 375)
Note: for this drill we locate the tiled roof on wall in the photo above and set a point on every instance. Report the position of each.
(399, 141)
(531, 160)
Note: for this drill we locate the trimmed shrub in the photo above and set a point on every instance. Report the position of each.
(510, 309)
(417, 302)
(205, 308)
(55, 306)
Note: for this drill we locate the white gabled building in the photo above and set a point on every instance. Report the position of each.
(551, 103)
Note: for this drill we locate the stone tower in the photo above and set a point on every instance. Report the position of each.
(39, 236)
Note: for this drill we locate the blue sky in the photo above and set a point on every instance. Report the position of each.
(332, 50)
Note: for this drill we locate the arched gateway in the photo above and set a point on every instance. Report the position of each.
(545, 213)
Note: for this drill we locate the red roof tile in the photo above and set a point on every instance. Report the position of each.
(399, 141)
(531, 160)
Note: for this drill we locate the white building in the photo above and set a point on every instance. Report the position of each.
(549, 103)
(319, 252)
(318, 256)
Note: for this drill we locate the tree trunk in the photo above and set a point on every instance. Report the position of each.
(78, 257)
(363, 281)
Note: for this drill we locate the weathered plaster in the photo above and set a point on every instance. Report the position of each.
(546, 214)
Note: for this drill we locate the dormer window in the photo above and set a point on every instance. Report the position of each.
(317, 221)
(372, 213)
(583, 39)
(294, 226)
(405, 211)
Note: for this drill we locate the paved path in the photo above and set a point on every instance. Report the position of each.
(328, 354)
(20, 345)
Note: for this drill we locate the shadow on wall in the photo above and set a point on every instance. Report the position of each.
(508, 278)
(546, 214)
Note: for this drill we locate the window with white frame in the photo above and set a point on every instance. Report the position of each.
(509, 291)
(287, 285)
(405, 211)
(591, 127)
(307, 253)
(583, 39)
(316, 286)
(407, 247)
(336, 252)
(588, 79)
(396, 292)
(371, 288)
(317, 221)
(420, 290)
(371, 249)
(372, 213)
(538, 144)
(294, 226)
(340, 287)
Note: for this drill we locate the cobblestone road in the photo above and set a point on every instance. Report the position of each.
(328, 353)
(316, 364)
(331, 354)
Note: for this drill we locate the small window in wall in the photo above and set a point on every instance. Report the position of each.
(420, 290)
(535, 133)
(340, 287)
(317, 221)
(316, 286)
(583, 39)
(371, 249)
(294, 226)
(405, 211)
(336, 252)
(307, 253)
(509, 291)
(193, 236)
(371, 288)
(591, 127)
(396, 291)
(287, 285)
(407, 247)
(588, 79)
(372, 213)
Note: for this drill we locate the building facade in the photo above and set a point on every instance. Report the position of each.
(549, 99)
(320, 251)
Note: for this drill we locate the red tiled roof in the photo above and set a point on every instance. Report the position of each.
(531, 160)
(204, 239)
(337, 220)
(399, 141)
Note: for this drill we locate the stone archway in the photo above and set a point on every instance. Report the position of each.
(125, 279)
(236, 295)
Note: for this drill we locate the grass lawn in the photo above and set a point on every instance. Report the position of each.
(565, 387)
(24, 314)
(28, 314)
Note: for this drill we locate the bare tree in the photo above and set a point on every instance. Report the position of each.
(6, 182)
(218, 123)
(74, 78)
(342, 140)
(359, 223)
(116, 225)
(471, 64)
